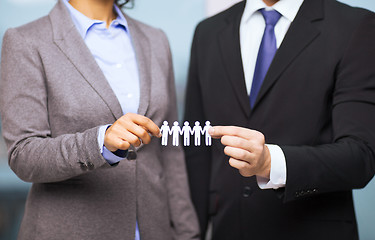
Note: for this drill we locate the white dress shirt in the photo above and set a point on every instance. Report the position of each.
(251, 32)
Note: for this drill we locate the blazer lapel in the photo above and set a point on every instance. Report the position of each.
(229, 40)
(142, 50)
(301, 33)
(68, 40)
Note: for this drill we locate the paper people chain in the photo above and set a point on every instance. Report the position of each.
(175, 131)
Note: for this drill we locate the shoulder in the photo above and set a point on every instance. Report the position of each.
(344, 8)
(216, 22)
(31, 33)
(28, 37)
(346, 15)
(344, 22)
(209, 28)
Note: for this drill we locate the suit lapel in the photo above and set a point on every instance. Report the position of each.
(231, 55)
(301, 34)
(142, 50)
(68, 40)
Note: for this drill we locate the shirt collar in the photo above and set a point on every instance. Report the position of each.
(84, 23)
(120, 17)
(287, 8)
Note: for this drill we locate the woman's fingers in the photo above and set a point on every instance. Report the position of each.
(130, 129)
(146, 123)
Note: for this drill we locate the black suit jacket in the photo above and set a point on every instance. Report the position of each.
(317, 103)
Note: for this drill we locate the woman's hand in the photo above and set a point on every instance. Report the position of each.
(130, 129)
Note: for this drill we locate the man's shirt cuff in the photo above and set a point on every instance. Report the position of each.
(278, 169)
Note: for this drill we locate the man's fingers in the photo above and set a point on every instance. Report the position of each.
(214, 132)
(219, 131)
(237, 153)
(238, 163)
(243, 167)
(237, 142)
(246, 149)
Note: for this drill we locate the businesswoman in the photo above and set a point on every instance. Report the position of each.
(83, 91)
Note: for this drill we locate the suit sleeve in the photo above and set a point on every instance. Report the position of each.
(32, 153)
(349, 162)
(198, 159)
(183, 216)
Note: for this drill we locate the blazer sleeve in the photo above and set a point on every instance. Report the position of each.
(32, 153)
(198, 159)
(349, 162)
(183, 216)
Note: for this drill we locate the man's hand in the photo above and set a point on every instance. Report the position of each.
(130, 129)
(246, 149)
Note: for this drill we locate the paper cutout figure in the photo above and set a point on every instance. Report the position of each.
(164, 132)
(207, 135)
(197, 129)
(186, 129)
(175, 132)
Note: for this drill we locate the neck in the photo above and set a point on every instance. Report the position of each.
(96, 9)
(270, 2)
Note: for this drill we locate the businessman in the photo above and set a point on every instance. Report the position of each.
(289, 87)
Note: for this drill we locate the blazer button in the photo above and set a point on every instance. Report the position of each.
(83, 166)
(132, 155)
(247, 191)
(90, 165)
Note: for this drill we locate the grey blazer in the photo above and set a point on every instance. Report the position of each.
(53, 98)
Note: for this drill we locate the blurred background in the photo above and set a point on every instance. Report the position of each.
(178, 19)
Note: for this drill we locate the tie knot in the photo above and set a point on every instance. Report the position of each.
(271, 17)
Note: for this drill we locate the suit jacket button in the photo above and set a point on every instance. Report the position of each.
(247, 191)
